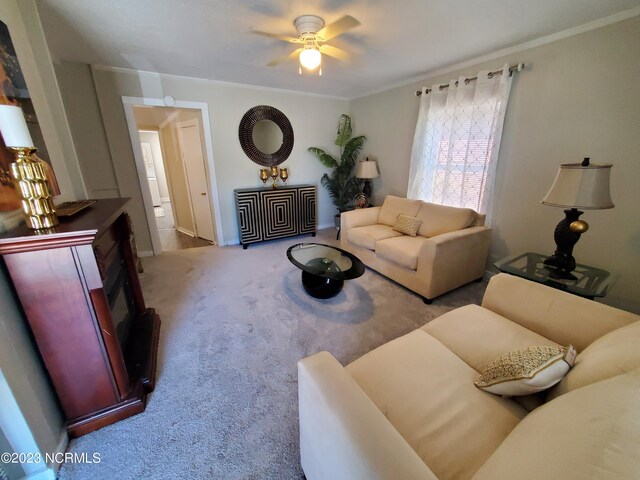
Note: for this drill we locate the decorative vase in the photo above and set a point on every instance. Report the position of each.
(274, 177)
(29, 176)
(284, 175)
(30, 180)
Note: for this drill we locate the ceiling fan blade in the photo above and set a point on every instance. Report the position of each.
(279, 60)
(286, 38)
(335, 52)
(337, 28)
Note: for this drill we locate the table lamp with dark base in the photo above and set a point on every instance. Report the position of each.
(367, 170)
(577, 185)
(566, 235)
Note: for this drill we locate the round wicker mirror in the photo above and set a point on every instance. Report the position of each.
(280, 132)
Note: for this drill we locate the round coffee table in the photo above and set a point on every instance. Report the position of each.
(324, 268)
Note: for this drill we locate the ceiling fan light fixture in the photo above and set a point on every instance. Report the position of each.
(310, 58)
(312, 35)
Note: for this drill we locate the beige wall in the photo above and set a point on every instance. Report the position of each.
(83, 113)
(577, 98)
(313, 119)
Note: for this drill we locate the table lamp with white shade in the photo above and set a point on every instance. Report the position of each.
(30, 177)
(366, 171)
(577, 186)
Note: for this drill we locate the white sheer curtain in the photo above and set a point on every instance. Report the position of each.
(455, 147)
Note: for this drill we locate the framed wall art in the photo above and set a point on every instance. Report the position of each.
(14, 91)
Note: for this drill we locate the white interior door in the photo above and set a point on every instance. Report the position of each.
(193, 158)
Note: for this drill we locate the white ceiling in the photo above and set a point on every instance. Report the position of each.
(397, 41)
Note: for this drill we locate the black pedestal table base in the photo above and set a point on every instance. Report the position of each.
(321, 287)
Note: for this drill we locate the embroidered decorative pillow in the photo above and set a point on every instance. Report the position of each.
(407, 225)
(527, 371)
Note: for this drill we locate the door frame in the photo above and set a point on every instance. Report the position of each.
(214, 201)
(186, 123)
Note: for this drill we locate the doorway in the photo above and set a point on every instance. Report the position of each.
(189, 145)
(154, 165)
(173, 160)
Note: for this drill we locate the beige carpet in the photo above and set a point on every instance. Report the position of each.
(235, 322)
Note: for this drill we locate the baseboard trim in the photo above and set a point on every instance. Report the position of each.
(61, 448)
(186, 232)
(236, 241)
(50, 472)
(44, 474)
(145, 253)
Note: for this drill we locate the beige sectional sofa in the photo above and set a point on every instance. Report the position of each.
(409, 409)
(449, 250)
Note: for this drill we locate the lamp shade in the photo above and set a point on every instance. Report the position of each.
(367, 169)
(13, 127)
(310, 58)
(581, 186)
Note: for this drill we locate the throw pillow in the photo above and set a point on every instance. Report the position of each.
(527, 371)
(407, 225)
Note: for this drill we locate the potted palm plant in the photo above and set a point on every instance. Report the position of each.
(340, 182)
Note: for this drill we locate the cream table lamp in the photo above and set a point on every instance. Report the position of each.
(577, 186)
(30, 177)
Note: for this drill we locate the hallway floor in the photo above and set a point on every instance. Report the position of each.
(170, 237)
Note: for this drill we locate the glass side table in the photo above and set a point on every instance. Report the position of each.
(324, 268)
(590, 282)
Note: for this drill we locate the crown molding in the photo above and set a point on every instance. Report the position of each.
(219, 82)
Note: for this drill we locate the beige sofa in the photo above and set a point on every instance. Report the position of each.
(450, 249)
(409, 409)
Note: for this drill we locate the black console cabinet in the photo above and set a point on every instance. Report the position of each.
(267, 213)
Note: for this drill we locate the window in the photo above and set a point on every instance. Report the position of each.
(456, 142)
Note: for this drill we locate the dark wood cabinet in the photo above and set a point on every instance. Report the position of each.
(81, 296)
(267, 213)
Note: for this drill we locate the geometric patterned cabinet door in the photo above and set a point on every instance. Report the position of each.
(267, 214)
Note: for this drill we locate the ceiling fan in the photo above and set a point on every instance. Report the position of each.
(312, 35)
